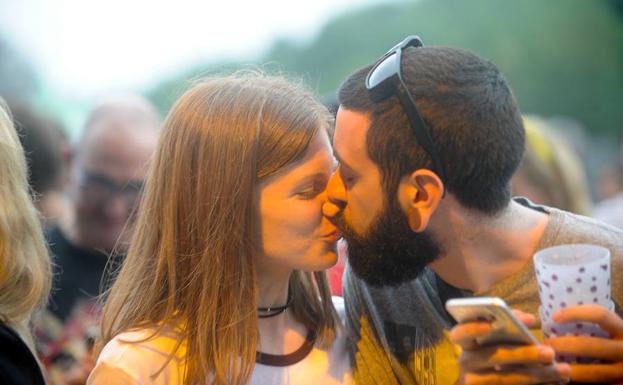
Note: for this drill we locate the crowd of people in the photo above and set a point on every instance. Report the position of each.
(202, 249)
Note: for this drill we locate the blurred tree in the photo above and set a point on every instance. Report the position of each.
(562, 57)
(618, 6)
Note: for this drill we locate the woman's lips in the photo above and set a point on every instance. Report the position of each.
(333, 236)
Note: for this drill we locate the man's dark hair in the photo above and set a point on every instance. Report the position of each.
(471, 112)
(43, 141)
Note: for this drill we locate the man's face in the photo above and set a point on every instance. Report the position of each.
(382, 248)
(110, 171)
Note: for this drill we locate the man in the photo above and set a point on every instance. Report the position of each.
(425, 206)
(109, 170)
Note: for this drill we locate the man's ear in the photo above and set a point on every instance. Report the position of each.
(419, 194)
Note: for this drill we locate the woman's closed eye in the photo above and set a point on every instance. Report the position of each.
(311, 190)
(309, 193)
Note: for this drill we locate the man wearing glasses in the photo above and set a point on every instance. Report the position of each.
(428, 139)
(107, 175)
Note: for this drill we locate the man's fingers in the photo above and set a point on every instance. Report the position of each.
(606, 319)
(526, 318)
(584, 346)
(521, 376)
(597, 373)
(465, 334)
(499, 356)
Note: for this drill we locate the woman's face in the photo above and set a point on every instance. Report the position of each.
(294, 235)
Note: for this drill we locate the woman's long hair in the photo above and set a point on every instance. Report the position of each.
(190, 261)
(25, 269)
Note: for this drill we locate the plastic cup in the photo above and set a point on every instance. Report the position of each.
(569, 275)
(573, 275)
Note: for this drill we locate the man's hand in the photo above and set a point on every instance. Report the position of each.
(505, 364)
(610, 351)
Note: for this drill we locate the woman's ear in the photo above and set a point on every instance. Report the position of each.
(419, 194)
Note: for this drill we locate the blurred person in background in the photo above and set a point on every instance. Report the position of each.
(47, 154)
(610, 210)
(224, 280)
(106, 179)
(25, 271)
(609, 181)
(551, 173)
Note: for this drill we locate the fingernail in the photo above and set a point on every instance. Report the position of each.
(546, 353)
(556, 316)
(565, 371)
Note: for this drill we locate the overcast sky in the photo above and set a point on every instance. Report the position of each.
(85, 48)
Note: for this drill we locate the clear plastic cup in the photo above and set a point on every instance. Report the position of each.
(573, 275)
(569, 275)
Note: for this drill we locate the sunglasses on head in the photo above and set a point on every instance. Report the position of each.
(385, 80)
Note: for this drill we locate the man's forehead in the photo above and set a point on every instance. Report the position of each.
(351, 128)
(118, 151)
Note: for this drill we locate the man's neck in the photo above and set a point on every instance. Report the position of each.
(480, 251)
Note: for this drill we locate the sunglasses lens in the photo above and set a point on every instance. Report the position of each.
(384, 70)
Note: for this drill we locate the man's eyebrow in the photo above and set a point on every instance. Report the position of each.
(341, 161)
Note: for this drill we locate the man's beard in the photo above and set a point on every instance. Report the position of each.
(390, 253)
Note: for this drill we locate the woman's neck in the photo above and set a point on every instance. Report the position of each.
(272, 290)
(282, 333)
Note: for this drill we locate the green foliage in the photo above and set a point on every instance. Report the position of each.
(561, 57)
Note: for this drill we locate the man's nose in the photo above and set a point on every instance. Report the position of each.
(336, 196)
(118, 206)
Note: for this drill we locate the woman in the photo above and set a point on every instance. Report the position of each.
(25, 274)
(217, 286)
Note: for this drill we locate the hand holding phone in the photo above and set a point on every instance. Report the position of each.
(505, 353)
(506, 328)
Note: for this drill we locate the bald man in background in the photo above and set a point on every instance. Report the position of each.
(109, 169)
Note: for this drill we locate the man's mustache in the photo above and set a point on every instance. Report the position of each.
(344, 227)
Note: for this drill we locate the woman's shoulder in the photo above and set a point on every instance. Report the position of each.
(145, 341)
(139, 354)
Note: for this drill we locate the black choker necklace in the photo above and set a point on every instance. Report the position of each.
(275, 310)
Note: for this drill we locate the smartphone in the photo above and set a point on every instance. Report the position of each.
(507, 329)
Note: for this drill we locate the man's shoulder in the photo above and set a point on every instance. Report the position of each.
(565, 227)
(574, 228)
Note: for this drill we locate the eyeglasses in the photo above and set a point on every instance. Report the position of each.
(385, 80)
(100, 187)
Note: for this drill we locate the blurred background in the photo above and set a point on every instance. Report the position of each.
(59, 59)
(563, 58)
